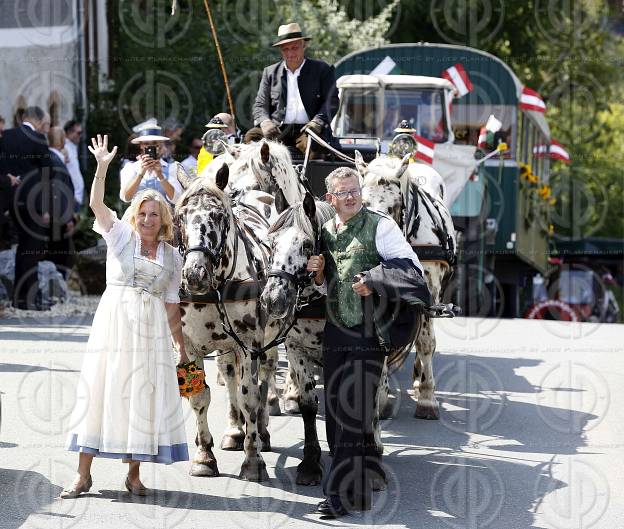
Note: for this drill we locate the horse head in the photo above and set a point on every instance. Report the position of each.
(203, 216)
(381, 190)
(293, 238)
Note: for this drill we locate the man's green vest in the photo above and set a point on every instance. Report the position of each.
(351, 250)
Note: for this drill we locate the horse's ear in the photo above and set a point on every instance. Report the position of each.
(265, 152)
(221, 179)
(309, 206)
(280, 201)
(360, 164)
(182, 175)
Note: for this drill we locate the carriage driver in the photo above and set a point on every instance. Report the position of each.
(354, 244)
(295, 93)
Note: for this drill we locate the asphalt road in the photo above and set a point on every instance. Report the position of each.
(531, 435)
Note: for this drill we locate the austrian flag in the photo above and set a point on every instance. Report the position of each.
(424, 149)
(458, 76)
(557, 152)
(531, 100)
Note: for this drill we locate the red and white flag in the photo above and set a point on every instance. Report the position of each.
(531, 100)
(557, 152)
(458, 76)
(424, 149)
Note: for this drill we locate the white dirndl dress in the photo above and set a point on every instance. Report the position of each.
(128, 403)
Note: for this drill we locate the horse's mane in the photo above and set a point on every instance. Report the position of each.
(383, 168)
(295, 216)
(286, 177)
(201, 186)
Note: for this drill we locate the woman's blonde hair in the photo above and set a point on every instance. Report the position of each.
(166, 219)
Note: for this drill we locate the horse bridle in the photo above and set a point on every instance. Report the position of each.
(299, 281)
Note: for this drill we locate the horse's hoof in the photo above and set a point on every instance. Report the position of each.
(220, 380)
(309, 474)
(427, 411)
(209, 470)
(274, 408)
(291, 407)
(230, 442)
(256, 472)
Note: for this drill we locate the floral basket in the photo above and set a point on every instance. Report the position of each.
(191, 379)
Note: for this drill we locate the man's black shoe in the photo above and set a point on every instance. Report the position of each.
(331, 507)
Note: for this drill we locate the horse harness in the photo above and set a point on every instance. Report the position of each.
(231, 286)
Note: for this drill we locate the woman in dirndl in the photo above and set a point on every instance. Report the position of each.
(128, 404)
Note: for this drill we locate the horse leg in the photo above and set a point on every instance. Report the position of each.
(385, 400)
(272, 397)
(265, 376)
(253, 467)
(233, 435)
(204, 462)
(291, 390)
(310, 470)
(427, 406)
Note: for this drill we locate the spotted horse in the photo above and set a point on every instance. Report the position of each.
(412, 194)
(264, 166)
(224, 258)
(289, 295)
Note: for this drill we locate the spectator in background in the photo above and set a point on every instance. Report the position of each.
(73, 133)
(25, 155)
(62, 205)
(173, 130)
(2, 124)
(232, 133)
(132, 151)
(150, 171)
(190, 162)
(18, 117)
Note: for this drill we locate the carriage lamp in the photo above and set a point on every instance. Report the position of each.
(403, 143)
(212, 141)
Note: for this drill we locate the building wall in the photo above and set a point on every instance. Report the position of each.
(45, 47)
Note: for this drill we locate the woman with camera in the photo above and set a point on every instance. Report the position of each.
(149, 171)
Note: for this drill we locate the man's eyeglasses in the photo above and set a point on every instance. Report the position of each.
(344, 194)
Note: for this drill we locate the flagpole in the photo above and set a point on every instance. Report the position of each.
(221, 62)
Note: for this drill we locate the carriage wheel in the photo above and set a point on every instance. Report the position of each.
(552, 309)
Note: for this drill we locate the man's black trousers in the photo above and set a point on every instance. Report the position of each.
(352, 365)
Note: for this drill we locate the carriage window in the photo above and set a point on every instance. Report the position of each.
(422, 108)
(356, 115)
(467, 121)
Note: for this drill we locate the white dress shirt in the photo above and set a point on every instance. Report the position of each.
(132, 169)
(295, 111)
(74, 171)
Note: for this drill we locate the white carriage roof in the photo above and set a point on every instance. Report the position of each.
(420, 81)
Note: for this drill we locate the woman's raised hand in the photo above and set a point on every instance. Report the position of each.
(100, 150)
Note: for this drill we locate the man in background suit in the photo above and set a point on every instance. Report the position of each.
(295, 94)
(24, 153)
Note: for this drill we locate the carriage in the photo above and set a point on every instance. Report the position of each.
(502, 219)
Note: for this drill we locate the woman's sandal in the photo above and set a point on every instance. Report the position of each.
(77, 489)
(137, 491)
